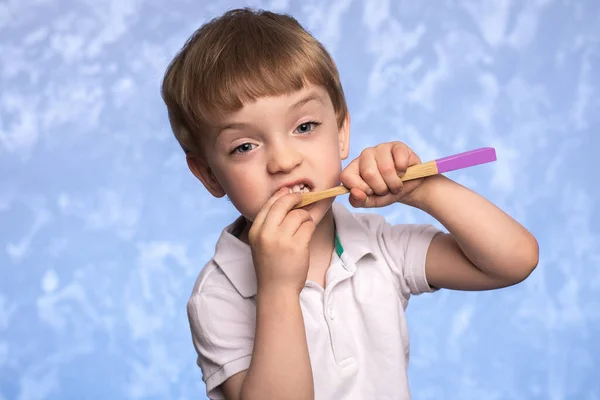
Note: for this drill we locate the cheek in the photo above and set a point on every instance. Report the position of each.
(245, 190)
(235, 177)
(240, 183)
(331, 164)
(241, 186)
(327, 150)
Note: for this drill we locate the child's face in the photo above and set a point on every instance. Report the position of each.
(275, 142)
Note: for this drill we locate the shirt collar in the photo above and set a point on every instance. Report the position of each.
(353, 235)
(234, 257)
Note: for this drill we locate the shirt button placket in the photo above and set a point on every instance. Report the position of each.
(330, 313)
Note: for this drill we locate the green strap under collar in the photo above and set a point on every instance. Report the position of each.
(338, 246)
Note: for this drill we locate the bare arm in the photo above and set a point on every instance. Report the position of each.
(280, 366)
(486, 248)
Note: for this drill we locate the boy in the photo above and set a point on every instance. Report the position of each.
(309, 303)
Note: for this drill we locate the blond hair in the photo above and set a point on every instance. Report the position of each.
(239, 57)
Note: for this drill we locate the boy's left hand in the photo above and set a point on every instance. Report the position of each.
(374, 177)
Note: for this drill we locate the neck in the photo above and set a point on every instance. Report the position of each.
(323, 237)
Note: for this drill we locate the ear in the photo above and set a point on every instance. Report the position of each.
(202, 171)
(344, 137)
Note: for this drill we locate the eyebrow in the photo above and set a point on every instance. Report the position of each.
(235, 125)
(313, 96)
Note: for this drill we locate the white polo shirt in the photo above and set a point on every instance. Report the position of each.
(355, 327)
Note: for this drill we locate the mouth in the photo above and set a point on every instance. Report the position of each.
(300, 188)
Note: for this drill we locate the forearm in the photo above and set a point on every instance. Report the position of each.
(280, 366)
(493, 241)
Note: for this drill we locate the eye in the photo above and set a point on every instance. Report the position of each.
(307, 127)
(243, 148)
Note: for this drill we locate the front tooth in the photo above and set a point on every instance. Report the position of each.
(296, 188)
(305, 189)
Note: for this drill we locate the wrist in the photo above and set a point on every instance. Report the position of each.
(279, 303)
(277, 292)
(424, 194)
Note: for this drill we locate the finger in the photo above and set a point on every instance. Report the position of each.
(370, 174)
(293, 220)
(305, 232)
(387, 168)
(357, 198)
(403, 158)
(361, 200)
(280, 209)
(351, 178)
(413, 158)
(264, 211)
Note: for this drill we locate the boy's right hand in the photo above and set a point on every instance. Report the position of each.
(279, 239)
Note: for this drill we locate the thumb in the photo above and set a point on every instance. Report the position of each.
(362, 200)
(358, 198)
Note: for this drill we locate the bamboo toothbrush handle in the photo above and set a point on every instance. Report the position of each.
(429, 168)
(413, 172)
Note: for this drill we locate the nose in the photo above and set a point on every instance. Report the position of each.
(283, 157)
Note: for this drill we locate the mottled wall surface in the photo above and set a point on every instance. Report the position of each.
(103, 230)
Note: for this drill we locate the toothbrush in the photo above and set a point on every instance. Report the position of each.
(439, 166)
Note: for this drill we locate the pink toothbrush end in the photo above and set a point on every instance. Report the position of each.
(466, 159)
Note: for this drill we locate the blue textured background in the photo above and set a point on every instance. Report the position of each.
(103, 230)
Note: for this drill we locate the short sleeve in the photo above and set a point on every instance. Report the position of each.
(407, 247)
(223, 329)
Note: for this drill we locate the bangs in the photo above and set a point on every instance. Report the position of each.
(260, 64)
(231, 62)
(234, 84)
